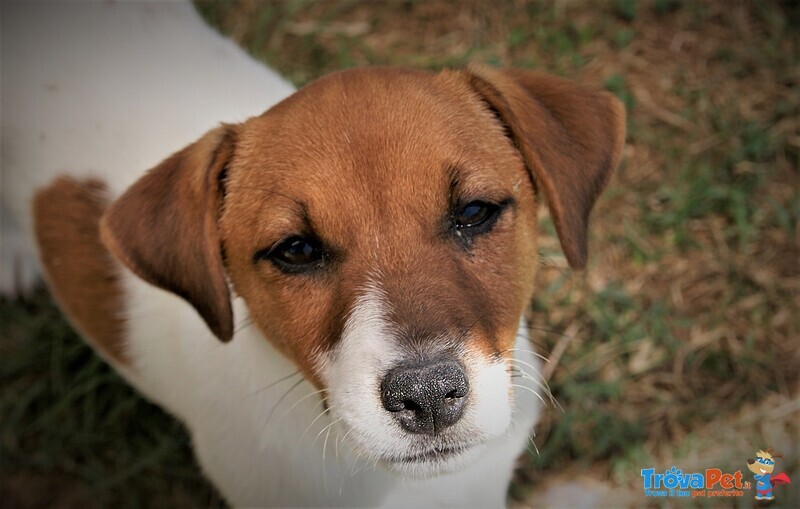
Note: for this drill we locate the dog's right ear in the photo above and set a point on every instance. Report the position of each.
(164, 227)
(570, 138)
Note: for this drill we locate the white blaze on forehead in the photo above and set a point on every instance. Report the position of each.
(366, 342)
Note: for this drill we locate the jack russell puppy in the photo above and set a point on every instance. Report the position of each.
(330, 294)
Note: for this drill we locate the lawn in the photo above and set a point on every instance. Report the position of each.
(678, 345)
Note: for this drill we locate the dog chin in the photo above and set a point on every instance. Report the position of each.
(433, 463)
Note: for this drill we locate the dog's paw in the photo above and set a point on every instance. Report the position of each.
(19, 263)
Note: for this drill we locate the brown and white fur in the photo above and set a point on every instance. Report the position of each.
(289, 375)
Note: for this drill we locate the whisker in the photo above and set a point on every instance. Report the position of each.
(535, 377)
(273, 384)
(526, 376)
(324, 411)
(354, 453)
(533, 443)
(535, 354)
(539, 381)
(327, 427)
(524, 363)
(300, 440)
(359, 455)
(301, 400)
(362, 467)
(531, 390)
(344, 438)
(247, 322)
(280, 400)
(327, 435)
(324, 447)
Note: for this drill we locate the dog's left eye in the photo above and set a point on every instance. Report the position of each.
(294, 254)
(476, 217)
(473, 214)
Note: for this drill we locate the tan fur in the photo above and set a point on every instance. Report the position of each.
(81, 274)
(164, 228)
(380, 196)
(372, 161)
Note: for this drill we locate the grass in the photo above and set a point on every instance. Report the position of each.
(683, 329)
(73, 433)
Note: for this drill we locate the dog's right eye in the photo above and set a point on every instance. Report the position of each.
(294, 254)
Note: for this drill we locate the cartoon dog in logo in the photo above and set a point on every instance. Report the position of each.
(762, 467)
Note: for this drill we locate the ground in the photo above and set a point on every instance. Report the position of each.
(678, 345)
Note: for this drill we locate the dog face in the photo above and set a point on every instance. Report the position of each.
(396, 240)
(763, 464)
(380, 225)
(426, 215)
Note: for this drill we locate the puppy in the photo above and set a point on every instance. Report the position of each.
(330, 294)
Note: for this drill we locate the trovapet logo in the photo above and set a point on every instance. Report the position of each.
(713, 482)
(762, 468)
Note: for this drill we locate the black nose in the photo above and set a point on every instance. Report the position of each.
(425, 398)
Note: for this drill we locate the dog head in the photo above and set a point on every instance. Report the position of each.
(381, 226)
(764, 462)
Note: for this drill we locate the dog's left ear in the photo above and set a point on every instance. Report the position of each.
(570, 138)
(164, 227)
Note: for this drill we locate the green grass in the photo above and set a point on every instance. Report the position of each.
(63, 411)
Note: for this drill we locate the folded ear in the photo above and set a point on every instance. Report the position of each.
(164, 227)
(570, 138)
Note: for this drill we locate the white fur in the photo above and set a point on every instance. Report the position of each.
(353, 372)
(109, 89)
(262, 447)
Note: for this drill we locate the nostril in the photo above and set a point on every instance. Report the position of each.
(412, 405)
(455, 394)
(425, 398)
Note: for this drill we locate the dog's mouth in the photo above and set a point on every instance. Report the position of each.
(437, 460)
(432, 455)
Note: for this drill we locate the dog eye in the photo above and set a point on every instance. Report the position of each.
(476, 214)
(294, 254)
